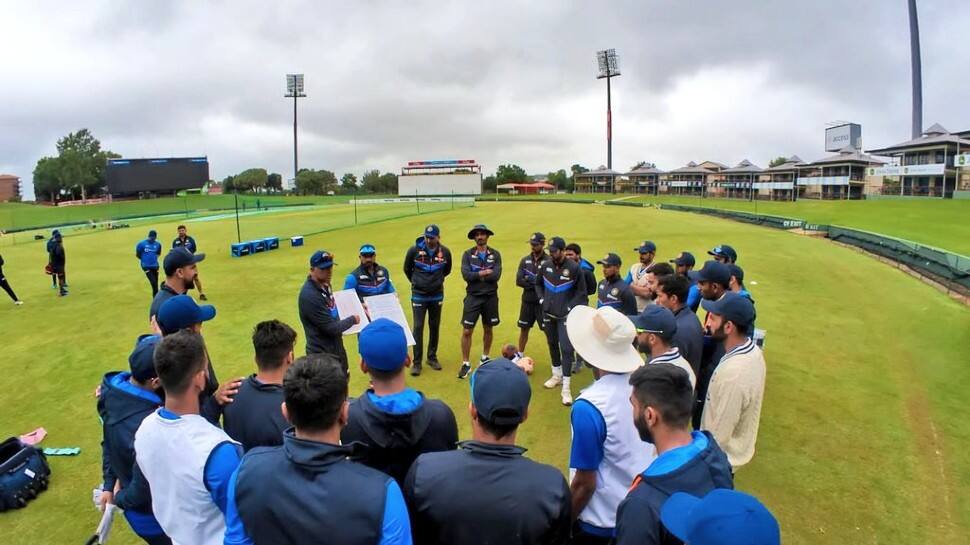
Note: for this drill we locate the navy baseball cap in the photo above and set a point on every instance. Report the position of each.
(646, 247)
(537, 238)
(479, 227)
(656, 319)
(321, 259)
(732, 306)
(737, 272)
(501, 392)
(178, 258)
(382, 345)
(152, 234)
(180, 312)
(557, 243)
(142, 358)
(724, 251)
(685, 258)
(714, 271)
(368, 249)
(432, 231)
(722, 517)
(610, 260)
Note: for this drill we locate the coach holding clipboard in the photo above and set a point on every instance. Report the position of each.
(318, 311)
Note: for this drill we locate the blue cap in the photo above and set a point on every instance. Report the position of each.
(723, 517)
(537, 238)
(656, 319)
(685, 258)
(646, 247)
(142, 358)
(382, 345)
(714, 271)
(501, 392)
(480, 227)
(178, 258)
(557, 243)
(724, 251)
(180, 312)
(612, 260)
(152, 234)
(321, 259)
(368, 249)
(736, 272)
(732, 306)
(432, 231)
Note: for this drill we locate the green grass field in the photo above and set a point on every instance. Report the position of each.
(933, 222)
(865, 420)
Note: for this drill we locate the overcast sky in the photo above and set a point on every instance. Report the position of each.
(494, 81)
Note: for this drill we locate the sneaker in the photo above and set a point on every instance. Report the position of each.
(433, 363)
(552, 382)
(484, 359)
(63, 294)
(567, 395)
(18, 303)
(465, 368)
(53, 286)
(202, 297)
(416, 370)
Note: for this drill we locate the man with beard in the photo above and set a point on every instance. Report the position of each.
(322, 327)
(732, 410)
(426, 266)
(684, 266)
(481, 267)
(686, 461)
(530, 312)
(656, 327)
(657, 271)
(724, 254)
(561, 287)
(712, 281)
(612, 291)
(689, 337)
(369, 278)
(180, 269)
(183, 240)
(637, 277)
(125, 399)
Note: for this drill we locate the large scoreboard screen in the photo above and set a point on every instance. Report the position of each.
(132, 176)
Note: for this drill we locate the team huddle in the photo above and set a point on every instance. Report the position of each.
(286, 455)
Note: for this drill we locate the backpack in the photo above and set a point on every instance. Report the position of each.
(24, 473)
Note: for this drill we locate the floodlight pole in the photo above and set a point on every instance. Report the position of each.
(294, 89)
(609, 67)
(917, 72)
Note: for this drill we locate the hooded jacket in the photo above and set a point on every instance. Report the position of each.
(560, 287)
(392, 437)
(695, 472)
(426, 270)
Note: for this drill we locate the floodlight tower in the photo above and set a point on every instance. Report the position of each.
(609, 67)
(917, 71)
(294, 89)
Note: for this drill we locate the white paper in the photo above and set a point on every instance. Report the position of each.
(348, 304)
(104, 529)
(388, 306)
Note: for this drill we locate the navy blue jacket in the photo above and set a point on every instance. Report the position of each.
(254, 417)
(426, 270)
(369, 282)
(188, 244)
(391, 442)
(689, 337)
(561, 287)
(527, 275)
(638, 516)
(472, 263)
(309, 492)
(122, 406)
(486, 493)
(616, 293)
(321, 325)
(589, 275)
(56, 256)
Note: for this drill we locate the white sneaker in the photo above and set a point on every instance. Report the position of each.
(567, 395)
(18, 303)
(552, 382)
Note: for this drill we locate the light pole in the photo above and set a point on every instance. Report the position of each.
(917, 71)
(609, 67)
(294, 89)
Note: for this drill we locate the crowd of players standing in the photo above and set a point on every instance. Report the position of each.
(286, 456)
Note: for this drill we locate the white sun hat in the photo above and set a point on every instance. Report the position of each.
(604, 338)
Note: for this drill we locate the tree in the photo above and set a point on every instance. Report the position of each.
(575, 169)
(558, 178)
(329, 181)
(251, 179)
(510, 173)
(228, 184)
(348, 183)
(777, 161)
(371, 181)
(640, 164)
(388, 183)
(82, 162)
(47, 178)
(274, 182)
(309, 182)
(488, 184)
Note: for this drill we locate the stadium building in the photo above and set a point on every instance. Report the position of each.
(737, 182)
(692, 179)
(777, 183)
(438, 178)
(839, 176)
(645, 179)
(10, 188)
(934, 165)
(601, 180)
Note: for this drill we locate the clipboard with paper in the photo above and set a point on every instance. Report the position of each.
(388, 306)
(348, 304)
